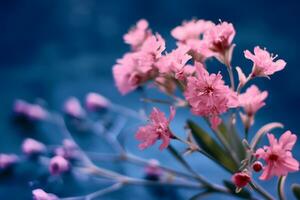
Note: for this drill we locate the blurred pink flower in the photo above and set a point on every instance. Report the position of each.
(31, 146)
(153, 169)
(252, 100)
(219, 37)
(154, 45)
(264, 64)
(138, 34)
(68, 150)
(95, 101)
(278, 156)
(209, 96)
(241, 179)
(39, 194)
(7, 160)
(58, 165)
(156, 130)
(32, 111)
(73, 108)
(191, 30)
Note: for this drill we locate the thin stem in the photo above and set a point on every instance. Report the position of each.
(261, 191)
(280, 187)
(230, 72)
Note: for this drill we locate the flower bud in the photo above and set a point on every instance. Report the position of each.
(39, 194)
(96, 101)
(241, 179)
(58, 165)
(7, 160)
(31, 111)
(69, 150)
(257, 166)
(33, 147)
(153, 171)
(73, 108)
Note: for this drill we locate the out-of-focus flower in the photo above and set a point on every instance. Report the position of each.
(73, 108)
(39, 194)
(157, 129)
(220, 36)
(152, 170)
(95, 101)
(263, 62)
(154, 45)
(209, 96)
(278, 156)
(138, 34)
(31, 111)
(58, 165)
(31, 147)
(191, 30)
(7, 160)
(69, 150)
(165, 84)
(257, 166)
(241, 179)
(252, 100)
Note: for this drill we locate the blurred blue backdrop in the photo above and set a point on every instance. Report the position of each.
(56, 49)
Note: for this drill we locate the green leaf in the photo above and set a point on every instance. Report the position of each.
(262, 131)
(296, 190)
(244, 193)
(211, 147)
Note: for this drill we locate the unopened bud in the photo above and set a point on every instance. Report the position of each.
(257, 166)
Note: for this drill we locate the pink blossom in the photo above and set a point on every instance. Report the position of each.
(158, 128)
(138, 34)
(154, 45)
(69, 150)
(209, 96)
(220, 37)
(278, 156)
(32, 111)
(73, 108)
(39, 194)
(241, 179)
(7, 160)
(264, 64)
(58, 165)
(252, 100)
(95, 101)
(191, 29)
(31, 146)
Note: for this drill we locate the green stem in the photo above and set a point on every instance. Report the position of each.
(280, 187)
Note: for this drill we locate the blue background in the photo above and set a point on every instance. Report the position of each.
(56, 49)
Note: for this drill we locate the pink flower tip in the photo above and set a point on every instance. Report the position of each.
(39, 194)
(32, 111)
(7, 160)
(153, 169)
(58, 165)
(31, 147)
(73, 108)
(241, 179)
(95, 101)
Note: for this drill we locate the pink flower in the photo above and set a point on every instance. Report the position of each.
(264, 64)
(191, 29)
(252, 100)
(220, 37)
(73, 108)
(174, 62)
(154, 45)
(138, 34)
(31, 146)
(7, 160)
(39, 194)
(278, 156)
(69, 150)
(95, 101)
(58, 165)
(31, 111)
(158, 128)
(209, 96)
(241, 179)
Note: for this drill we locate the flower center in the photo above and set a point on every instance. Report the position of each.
(273, 157)
(208, 90)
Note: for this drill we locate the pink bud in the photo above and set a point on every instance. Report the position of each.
(39, 194)
(241, 179)
(73, 108)
(20, 106)
(69, 150)
(31, 146)
(96, 101)
(32, 111)
(153, 168)
(257, 166)
(7, 160)
(241, 75)
(58, 165)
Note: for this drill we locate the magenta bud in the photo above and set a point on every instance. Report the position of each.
(96, 101)
(58, 165)
(39, 194)
(257, 166)
(241, 179)
(152, 170)
(31, 146)
(73, 108)
(7, 160)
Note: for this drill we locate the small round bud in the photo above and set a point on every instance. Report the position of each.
(241, 179)
(33, 147)
(152, 170)
(7, 160)
(58, 165)
(39, 194)
(96, 101)
(257, 166)
(73, 108)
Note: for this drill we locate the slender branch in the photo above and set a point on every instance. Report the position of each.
(261, 190)
(280, 187)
